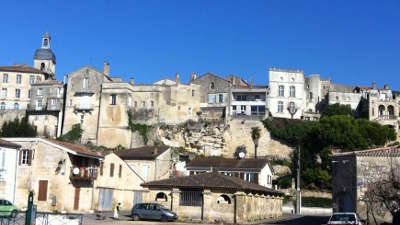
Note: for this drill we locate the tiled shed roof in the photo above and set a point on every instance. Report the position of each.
(213, 180)
(231, 164)
(8, 144)
(80, 149)
(142, 153)
(377, 152)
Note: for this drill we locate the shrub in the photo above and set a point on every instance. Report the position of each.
(18, 128)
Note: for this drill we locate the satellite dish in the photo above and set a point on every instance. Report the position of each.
(242, 155)
(75, 171)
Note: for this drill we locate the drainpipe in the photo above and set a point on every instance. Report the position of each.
(98, 118)
(15, 176)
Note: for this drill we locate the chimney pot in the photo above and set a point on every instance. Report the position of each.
(106, 68)
(177, 78)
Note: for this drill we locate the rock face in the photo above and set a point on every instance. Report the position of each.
(219, 138)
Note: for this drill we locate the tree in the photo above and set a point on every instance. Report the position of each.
(255, 135)
(18, 128)
(386, 192)
(337, 109)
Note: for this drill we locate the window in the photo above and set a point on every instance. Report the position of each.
(3, 106)
(29, 93)
(311, 96)
(192, 93)
(190, 111)
(5, 78)
(42, 196)
(161, 197)
(101, 168)
(281, 90)
(291, 107)
(223, 199)
(120, 171)
(82, 118)
(280, 106)
(53, 101)
(59, 91)
(17, 93)
(234, 107)
(25, 157)
(31, 79)
(221, 98)
(211, 99)
(19, 78)
(143, 104)
(111, 169)
(4, 92)
(190, 198)
(16, 106)
(39, 104)
(39, 92)
(45, 42)
(42, 66)
(152, 104)
(292, 91)
(212, 85)
(113, 99)
(85, 83)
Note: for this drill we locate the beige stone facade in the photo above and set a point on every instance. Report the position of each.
(46, 168)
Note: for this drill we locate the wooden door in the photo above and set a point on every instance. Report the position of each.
(76, 199)
(42, 196)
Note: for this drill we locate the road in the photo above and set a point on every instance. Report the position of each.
(125, 220)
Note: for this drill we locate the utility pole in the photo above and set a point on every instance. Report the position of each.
(298, 192)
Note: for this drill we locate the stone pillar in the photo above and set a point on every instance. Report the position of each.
(256, 205)
(269, 206)
(207, 205)
(250, 209)
(240, 207)
(264, 207)
(175, 200)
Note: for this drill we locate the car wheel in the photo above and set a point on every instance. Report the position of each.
(136, 218)
(14, 214)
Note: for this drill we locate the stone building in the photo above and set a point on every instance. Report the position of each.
(116, 183)
(8, 170)
(352, 172)
(254, 170)
(214, 92)
(46, 107)
(248, 102)
(213, 197)
(60, 174)
(149, 162)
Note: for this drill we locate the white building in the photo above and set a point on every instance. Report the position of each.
(248, 101)
(8, 170)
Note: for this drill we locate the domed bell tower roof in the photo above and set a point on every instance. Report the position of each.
(45, 52)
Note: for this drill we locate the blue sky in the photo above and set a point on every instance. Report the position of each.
(353, 42)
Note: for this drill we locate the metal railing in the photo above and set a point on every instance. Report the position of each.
(42, 218)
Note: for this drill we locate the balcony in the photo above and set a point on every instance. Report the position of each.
(83, 173)
(83, 107)
(387, 117)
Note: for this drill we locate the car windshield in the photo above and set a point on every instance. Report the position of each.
(343, 217)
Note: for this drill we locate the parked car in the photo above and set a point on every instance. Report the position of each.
(7, 209)
(152, 211)
(344, 218)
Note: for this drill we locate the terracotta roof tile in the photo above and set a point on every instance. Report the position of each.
(142, 153)
(80, 149)
(21, 68)
(377, 152)
(219, 163)
(213, 180)
(5, 143)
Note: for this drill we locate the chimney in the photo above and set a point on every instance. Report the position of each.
(374, 85)
(386, 87)
(106, 68)
(177, 78)
(193, 77)
(132, 81)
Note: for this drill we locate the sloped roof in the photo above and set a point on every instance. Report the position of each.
(8, 144)
(22, 68)
(80, 149)
(231, 164)
(377, 152)
(213, 180)
(142, 153)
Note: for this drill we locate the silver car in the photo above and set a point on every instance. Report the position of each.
(344, 218)
(152, 211)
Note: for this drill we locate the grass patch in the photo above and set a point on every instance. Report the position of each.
(316, 202)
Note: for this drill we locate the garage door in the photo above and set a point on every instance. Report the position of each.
(105, 199)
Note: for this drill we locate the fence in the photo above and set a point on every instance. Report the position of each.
(42, 218)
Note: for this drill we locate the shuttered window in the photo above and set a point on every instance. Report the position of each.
(111, 169)
(42, 196)
(25, 157)
(120, 171)
(101, 168)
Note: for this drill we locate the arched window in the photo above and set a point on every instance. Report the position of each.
(291, 107)
(281, 90)
(3, 106)
(292, 91)
(390, 109)
(212, 85)
(16, 106)
(42, 66)
(161, 197)
(223, 199)
(381, 110)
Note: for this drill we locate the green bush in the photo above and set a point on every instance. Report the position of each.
(316, 202)
(74, 135)
(18, 128)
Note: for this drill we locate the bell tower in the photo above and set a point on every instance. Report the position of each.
(44, 58)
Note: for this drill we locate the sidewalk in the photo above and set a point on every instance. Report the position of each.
(125, 219)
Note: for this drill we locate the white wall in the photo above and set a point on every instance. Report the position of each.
(263, 177)
(8, 163)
